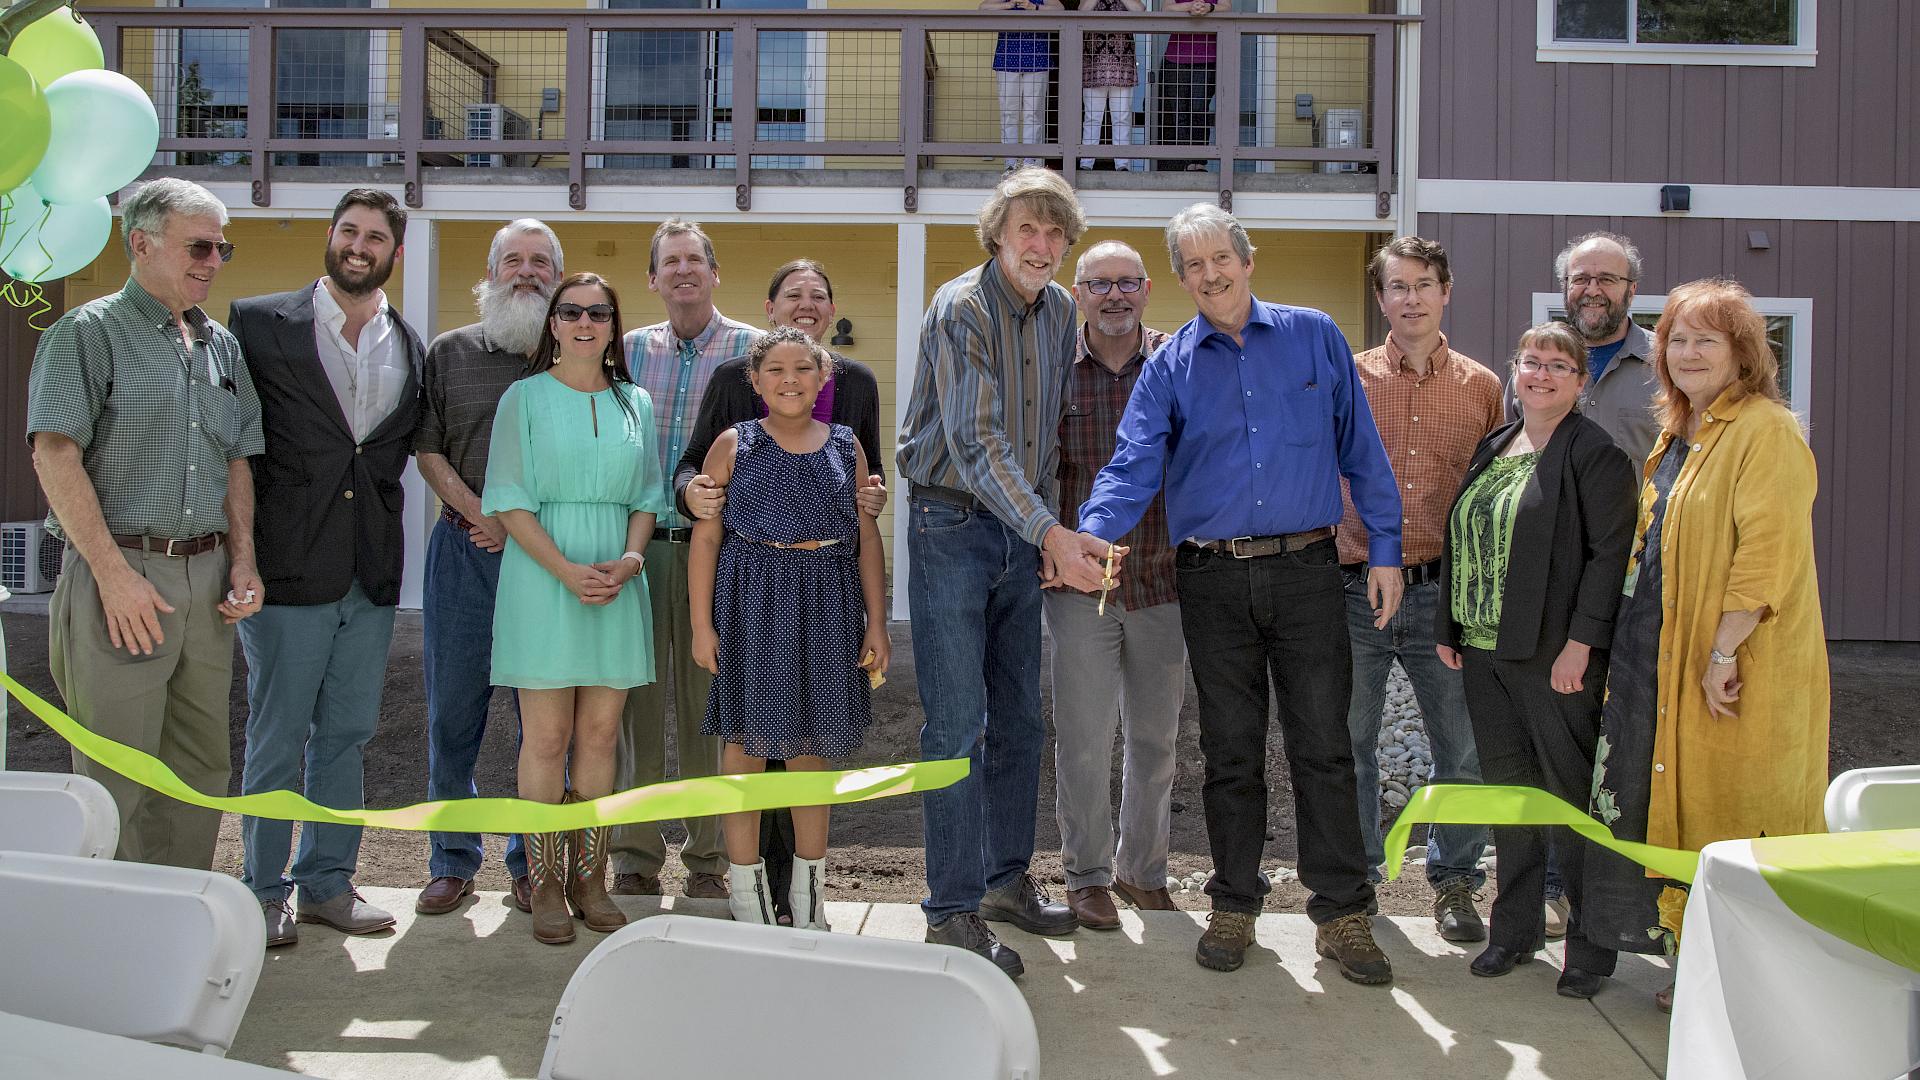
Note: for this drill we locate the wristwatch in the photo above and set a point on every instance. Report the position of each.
(1719, 657)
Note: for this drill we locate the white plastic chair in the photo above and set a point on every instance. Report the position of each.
(159, 953)
(712, 997)
(1866, 799)
(57, 814)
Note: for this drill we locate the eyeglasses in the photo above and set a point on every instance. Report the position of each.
(1605, 281)
(1559, 369)
(202, 250)
(1399, 290)
(599, 313)
(1102, 286)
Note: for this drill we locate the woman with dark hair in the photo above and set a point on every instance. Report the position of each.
(1536, 546)
(1718, 698)
(800, 296)
(572, 474)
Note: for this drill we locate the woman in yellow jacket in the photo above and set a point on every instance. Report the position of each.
(1715, 725)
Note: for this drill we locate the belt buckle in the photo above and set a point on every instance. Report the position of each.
(1233, 547)
(168, 551)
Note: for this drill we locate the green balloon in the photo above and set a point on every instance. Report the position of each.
(23, 113)
(56, 45)
(104, 135)
(44, 241)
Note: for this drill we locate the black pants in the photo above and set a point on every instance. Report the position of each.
(1532, 735)
(1278, 621)
(1181, 116)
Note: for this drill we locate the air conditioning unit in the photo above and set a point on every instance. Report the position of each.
(494, 121)
(436, 128)
(1344, 129)
(29, 557)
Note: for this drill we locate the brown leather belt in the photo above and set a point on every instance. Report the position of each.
(1255, 547)
(172, 549)
(1419, 574)
(946, 495)
(455, 518)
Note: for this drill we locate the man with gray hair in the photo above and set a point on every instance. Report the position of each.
(1600, 274)
(1122, 663)
(979, 448)
(467, 370)
(142, 415)
(1243, 386)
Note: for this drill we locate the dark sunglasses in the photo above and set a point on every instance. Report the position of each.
(599, 313)
(1102, 286)
(201, 250)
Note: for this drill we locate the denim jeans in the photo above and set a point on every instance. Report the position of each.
(314, 676)
(1274, 623)
(1453, 851)
(457, 610)
(974, 589)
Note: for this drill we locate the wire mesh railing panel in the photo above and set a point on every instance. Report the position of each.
(492, 86)
(657, 85)
(1305, 90)
(998, 87)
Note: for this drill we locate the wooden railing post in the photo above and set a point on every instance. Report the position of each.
(260, 118)
(913, 110)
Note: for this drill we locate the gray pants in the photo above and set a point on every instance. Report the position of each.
(641, 756)
(1125, 669)
(172, 704)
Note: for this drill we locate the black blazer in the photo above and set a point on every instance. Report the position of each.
(729, 400)
(326, 511)
(1571, 535)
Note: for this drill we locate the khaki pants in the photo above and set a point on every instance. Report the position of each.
(642, 754)
(172, 704)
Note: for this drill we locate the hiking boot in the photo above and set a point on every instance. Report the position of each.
(348, 913)
(967, 931)
(1026, 905)
(704, 886)
(1224, 946)
(1348, 941)
(1453, 912)
(281, 929)
(635, 885)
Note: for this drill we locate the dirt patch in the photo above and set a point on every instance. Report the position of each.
(876, 846)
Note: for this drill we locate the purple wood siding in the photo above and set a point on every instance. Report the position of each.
(1491, 111)
(1862, 279)
(20, 498)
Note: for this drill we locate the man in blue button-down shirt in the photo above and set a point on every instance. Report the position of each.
(1249, 417)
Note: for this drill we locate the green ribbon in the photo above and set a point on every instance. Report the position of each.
(1498, 804)
(693, 797)
(1861, 887)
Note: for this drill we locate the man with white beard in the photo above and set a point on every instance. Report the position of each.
(467, 371)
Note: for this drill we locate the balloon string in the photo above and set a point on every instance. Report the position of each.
(28, 297)
(7, 255)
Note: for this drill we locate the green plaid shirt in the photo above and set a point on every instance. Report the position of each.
(157, 419)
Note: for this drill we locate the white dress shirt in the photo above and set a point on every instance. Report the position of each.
(369, 378)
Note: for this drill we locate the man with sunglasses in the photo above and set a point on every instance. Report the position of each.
(142, 416)
(1126, 664)
(339, 378)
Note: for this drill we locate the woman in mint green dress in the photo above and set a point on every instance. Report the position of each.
(573, 475)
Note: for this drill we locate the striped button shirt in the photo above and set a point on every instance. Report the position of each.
(675, 374)
(466, 374)
(988, 395)
(157, 418)
(1430, 425)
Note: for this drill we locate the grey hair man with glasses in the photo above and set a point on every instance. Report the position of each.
(1121, 663)
(1600, 273)
(1432, 405)
(142, 416)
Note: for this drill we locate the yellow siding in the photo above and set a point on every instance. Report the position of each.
(270, 256)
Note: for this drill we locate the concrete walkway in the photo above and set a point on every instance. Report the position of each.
(468, 996)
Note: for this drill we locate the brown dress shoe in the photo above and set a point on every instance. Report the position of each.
(706, 886)
(1144, 899)
(442, 895)
(523, 893)
(1094, 908)
(635, 885)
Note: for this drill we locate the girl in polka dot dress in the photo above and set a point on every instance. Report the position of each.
(788, 591)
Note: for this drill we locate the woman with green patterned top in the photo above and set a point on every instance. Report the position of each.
(1536, 551)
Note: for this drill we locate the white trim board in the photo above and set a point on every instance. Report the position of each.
(1799, 308)
(1802, 53)
(1580, 199)
(1344, 212)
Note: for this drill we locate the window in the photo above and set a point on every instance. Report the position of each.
(1789, 331)
(1777, 33)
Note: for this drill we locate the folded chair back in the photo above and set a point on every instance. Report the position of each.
(151, 952)
(1867, 799)
(705, 997)
(57, 814)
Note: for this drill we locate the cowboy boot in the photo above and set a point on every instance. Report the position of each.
(809, 894)
(748, 897)
(587, 881)
(547, 869)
